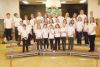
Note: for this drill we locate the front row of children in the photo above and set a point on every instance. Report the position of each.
(49, 34)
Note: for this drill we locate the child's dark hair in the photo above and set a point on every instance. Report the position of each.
(7, 13)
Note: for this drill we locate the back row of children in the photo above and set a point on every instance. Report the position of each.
(51, 29)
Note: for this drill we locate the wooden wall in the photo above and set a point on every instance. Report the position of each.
(71, 8)
(98, 27)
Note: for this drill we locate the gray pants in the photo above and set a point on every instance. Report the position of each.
(70, 43)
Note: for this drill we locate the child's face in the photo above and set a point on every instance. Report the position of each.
(51, 27)
(91, 19)
(32, 16)
(8, 16)
(80, 19)
(71, 24)
(45, 26)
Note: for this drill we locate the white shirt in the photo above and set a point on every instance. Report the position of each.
(63, 32)
(8, 23)
(19, 29)
(45, 32)
(57, 32)
(79, 26)
(17, 21)
(29, 28)
(32, 22)
(24, 33)
(61, 19)
(38, 34)
(91, 28)
(51, 33)
(40, 18)
(54, 19)
(85, 28)
(25, 22)
(82, 16)
(68, 19)
(70, 31)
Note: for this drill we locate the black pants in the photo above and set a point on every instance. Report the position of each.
(39, 44)
(25, 45)
(19, 40)
(92, 42)
(79, 38)
(57, 43)
(45, 43)
(8, 34)
(85, 34)
(51, 44)
(29, 39)
(33, 35)
(70, 43)
(16, 34)
(63, 39)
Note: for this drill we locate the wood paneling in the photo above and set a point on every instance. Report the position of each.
(71, 8)
(98, 27)
(28, 9)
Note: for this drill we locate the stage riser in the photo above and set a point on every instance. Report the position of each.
(66, 53)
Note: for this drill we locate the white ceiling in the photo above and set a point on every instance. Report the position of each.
(41, 1)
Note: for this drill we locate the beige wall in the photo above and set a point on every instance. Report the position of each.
(11, 6)
(93, 5)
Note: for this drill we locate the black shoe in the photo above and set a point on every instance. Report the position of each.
(91, 51)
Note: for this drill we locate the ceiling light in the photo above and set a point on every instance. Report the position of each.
(82, 1)
(25, 2)
(63, 2)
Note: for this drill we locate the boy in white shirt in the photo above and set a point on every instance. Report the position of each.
(24, 36)
(32, 23)
(17, 21)
(51, 36)
(70, 33)
(45, 36)
(8, 25)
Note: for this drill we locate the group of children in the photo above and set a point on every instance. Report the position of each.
(52, 30)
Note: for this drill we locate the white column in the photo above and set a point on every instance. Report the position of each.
(8, 6)
(93, 6)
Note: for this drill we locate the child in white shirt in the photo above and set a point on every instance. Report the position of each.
(8, 25)
(32, 23)
(38, 33)
(17, 22)
(57, 37)
(24, 35)
(45, 36)
(63, 36)
(51, 36)
(92, 33)
(70, 33)
(79, 28)
(85, 31)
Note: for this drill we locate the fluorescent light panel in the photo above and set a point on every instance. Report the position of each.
(25, 2)
(82, 1)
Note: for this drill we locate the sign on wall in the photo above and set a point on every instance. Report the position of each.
(53, 10)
